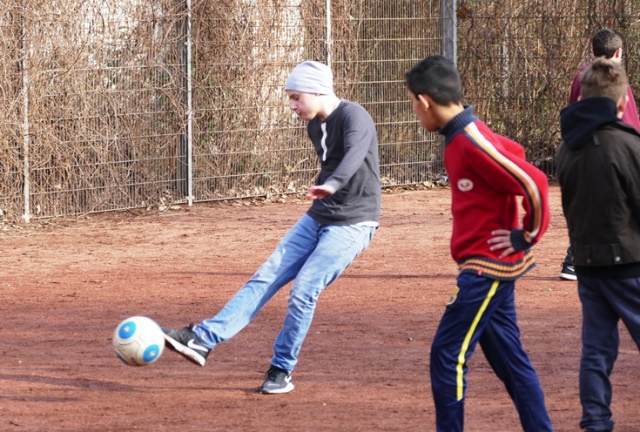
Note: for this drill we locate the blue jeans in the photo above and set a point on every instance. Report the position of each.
(312, 254)
(604, 303)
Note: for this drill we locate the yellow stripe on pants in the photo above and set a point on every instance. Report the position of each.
(467, 338)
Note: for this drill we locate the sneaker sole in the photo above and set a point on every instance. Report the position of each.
(570, 277)
(191, 355)
(286, 389)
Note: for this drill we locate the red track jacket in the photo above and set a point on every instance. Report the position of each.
(490, 179)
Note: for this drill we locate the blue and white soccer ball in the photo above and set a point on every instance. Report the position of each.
(138, 341)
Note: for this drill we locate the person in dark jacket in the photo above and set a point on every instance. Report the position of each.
(606, 43)
(339, 225)
(599, 174)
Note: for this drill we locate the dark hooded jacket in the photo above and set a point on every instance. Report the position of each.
(599, 174)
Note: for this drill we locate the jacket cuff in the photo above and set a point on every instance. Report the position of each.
(518, 242)
(334, 184)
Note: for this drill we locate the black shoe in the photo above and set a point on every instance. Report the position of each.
(185, 341)
(568, 272)
(278, 381)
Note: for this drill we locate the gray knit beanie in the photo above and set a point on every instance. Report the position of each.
(311, 77)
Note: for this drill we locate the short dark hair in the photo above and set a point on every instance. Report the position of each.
(604, 78)
(606, 42)
(437, 77)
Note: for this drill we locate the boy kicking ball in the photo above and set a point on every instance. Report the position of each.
(338, 226)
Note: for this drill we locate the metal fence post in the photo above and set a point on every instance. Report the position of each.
(449, 35)
(185, 144)
(189, 109)
(328, 3)
(449, 29)
(24, 63)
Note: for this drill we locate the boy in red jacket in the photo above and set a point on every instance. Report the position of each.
(490, 243)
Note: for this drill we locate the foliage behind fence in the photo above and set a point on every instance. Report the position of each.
(96, 95)
(518, 59)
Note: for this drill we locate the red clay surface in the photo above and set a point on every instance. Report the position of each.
(364, 365)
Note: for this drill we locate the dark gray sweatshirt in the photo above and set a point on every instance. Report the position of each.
(347, 146)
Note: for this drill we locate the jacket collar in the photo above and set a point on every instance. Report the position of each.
(457, 124)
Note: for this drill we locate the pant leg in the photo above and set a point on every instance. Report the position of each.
(568, 259)
(624, 297)
(604, 301)
(600, 342)
(337, 247)
(502, 346)
(458, 333)
(279, 269)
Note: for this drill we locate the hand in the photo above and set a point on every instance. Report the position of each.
(320, 192)
(501, 240)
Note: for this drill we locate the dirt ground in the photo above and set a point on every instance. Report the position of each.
(364, 365)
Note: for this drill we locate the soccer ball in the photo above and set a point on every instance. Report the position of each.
(138, 341)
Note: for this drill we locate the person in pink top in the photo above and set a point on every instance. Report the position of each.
(608, 44)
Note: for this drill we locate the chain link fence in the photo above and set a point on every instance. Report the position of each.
(518, 59)
(113, 105)
(246, 140)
